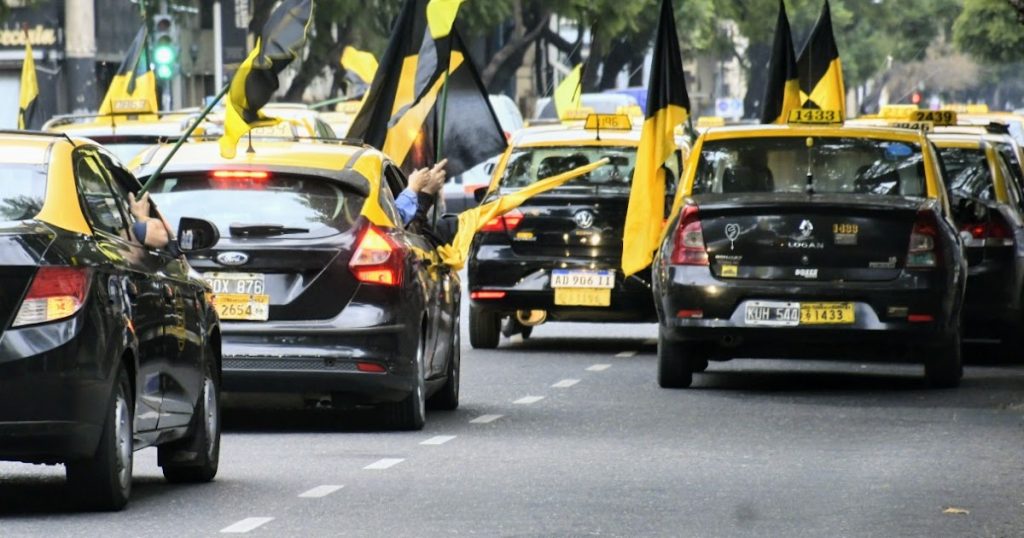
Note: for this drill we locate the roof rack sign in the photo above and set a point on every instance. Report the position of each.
(939, 118)
(608, 122)
(815, 116)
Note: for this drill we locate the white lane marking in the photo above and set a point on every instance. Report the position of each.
(319, 491)
(599, 367)
(626, 354)
(385, 463)
(527, 400)
(485, 419)
(439, 440)
(565, 383)
(246, 525)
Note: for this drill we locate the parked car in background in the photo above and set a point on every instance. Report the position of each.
(598, 103)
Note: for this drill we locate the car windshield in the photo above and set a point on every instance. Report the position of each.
(303, 206)
(22, 189)
(527, 166)
(836, 165)
(968, 172)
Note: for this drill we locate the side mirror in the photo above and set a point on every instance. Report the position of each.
(196, 234)
(479, 194)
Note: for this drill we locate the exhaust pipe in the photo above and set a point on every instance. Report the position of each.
(531, 318)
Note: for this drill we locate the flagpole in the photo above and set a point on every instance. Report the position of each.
(181, 140)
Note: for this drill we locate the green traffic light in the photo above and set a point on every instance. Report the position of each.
(164, 72)
(164, 55)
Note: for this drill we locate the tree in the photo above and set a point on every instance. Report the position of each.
(1019, 6)
(988, 30)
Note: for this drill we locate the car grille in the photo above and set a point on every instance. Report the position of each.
(316, 365)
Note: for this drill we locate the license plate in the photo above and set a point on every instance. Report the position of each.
(239, 296)
(583, 297)
(565, 278)
(827, 314)
(782, 314)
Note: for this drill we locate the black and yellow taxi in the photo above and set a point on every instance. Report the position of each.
(123, 135)
(107, 345)
(557, 257)
(321, 290)
(810, 240)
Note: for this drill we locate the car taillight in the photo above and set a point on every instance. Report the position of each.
(688, 244)
(251, 180)
(923, 239)
(504, 223)
(56, 293)
(994, 232)
(378, 259)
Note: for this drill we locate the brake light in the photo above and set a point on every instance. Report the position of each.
(485, 294)
(56, 293)
(378, 259)
(923, 242)
(239, 179)
(504, 223)
(995, 232)
(688, 244)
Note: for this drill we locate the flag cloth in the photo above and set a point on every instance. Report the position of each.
(783, 91)
(28, 96)
(668, 106)
(441, 16)
(133, 89)
(455, 254)
(256, 80)
(361, 63)
(569, 92)
(821, 71)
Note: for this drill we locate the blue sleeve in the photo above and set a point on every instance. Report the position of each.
(407, 206)
(139, 231)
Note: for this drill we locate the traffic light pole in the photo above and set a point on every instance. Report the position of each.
(218, 45)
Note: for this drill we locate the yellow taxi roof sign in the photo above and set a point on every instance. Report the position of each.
(633, 111)
(897, 112)
(967, 109)
(609, 122)
(939, 118)
(575, 114)
(815, 116)
(710, 121)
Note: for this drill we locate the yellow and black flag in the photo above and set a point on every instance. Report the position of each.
(783, 92)
(28, 97)
(133, 89)
(668, 106)
(279, 43)
(821, 71)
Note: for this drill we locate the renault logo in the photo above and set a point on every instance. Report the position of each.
(584, 219)
(806, 230)
(232, 258)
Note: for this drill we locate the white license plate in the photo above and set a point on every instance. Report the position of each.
(247, 283)
(772, 314)
(239, 296)
(565, 278)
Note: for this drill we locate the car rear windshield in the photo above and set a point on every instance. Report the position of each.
(22, 190)
(125, 148)
(968, 173)
(834, 165)
(305, 206)
(527, 166)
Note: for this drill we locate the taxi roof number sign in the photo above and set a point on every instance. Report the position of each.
(815, 116)
(609, 122)
(940, 118)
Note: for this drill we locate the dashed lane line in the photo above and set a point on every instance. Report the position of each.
(527, 400)
(246, 525)
(599, 367)
(626, 354)
(319, 491)
(485, 419)
(439, 440)
(565, 383)
(385, 463)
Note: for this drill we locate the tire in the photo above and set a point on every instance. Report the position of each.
(447, 399)
(410, 414)
(943, 366)
(673, 364)
(484, 328)
(104, 481)
(195, 458)
(526, 333)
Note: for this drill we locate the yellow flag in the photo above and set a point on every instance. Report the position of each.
(441, 16)
(133, 88)
(28, 98)
(470, 222)
(235, 124)
(821, 70)
(362, 63)
(569, 93)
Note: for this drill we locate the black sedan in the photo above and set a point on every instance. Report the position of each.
(809, 242)
(107, 346)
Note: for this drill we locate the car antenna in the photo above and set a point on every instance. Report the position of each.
(810, 166)
(251, 149)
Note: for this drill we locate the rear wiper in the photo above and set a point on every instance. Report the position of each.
(264, 230)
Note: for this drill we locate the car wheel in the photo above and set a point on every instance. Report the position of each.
(410, 414)
(195, 458)
(943, 366)
(484, 328)
(448, 397)
(673, 364)
(104, 481)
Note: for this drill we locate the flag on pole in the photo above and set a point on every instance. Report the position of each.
(133, 89)
(821, 71)
(28, 96)
(279, 43)
(668, 106)
(783, 91)
(569, 93)
(360, 63)
(441, 16)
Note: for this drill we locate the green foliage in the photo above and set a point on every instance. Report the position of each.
(989, 31)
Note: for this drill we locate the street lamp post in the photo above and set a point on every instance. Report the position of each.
(218, 46)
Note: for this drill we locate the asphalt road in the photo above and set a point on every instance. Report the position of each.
(567, 434)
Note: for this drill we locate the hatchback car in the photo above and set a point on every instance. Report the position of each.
(805, 241)
(107, 346)
(321, 293)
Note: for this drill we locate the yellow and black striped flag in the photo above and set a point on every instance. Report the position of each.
(133, 89)
(668, 106)
(821, 71)
(569, 94)
(783, 92)
(28, 97)
(279, 43)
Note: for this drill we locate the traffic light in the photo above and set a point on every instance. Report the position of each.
(165, 46)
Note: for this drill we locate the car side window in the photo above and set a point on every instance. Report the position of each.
(102, 207)
(388, 194)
